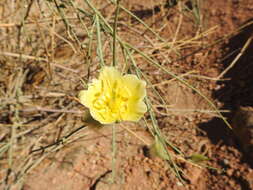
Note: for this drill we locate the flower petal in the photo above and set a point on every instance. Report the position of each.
(109, 75)
(134, 86)
(102, 117)
(83, 97)
(135, 111)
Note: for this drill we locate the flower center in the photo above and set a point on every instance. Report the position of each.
(113, 102)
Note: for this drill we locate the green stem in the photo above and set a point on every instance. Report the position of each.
(115, 33)
(114, 149)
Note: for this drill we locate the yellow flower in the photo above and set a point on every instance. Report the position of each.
(115, 97)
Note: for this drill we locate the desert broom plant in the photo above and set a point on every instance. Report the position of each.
(112, 107)
(162, 142)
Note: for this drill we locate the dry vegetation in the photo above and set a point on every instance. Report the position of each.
(51, 49)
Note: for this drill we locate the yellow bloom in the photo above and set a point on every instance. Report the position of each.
(115, 97)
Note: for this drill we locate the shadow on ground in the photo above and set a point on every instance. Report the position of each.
(146, 13)
(237, 91)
